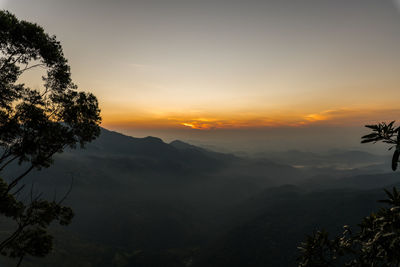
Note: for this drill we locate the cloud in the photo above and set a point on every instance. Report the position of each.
(199, 120)
(351, 116)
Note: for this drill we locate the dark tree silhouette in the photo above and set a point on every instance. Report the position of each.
(377, 242)
(35, 124)
(388, 134)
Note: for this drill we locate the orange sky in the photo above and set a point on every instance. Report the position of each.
(339, 117)
(228, 64)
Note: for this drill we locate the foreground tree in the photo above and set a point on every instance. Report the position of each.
(377, 243)
(35, 124)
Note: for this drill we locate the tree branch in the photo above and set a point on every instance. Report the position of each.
(19, 178)
(16, 180)
(8, 162)
(31, 67)
(11, 238)
(5, 155)
(68, 192)
(20, 260)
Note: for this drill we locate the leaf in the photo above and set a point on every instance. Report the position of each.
(388, 193)
(373, 127)
(370, 135)
(371, 140)
(395, 159)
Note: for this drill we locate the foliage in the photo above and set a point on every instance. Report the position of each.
(388, 134)
(377, 243)
(35, 124)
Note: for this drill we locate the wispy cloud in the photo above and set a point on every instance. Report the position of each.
(204, 121)
(351, 116)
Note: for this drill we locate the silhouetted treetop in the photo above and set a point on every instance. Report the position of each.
(37, 123)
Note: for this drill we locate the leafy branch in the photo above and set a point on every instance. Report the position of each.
(386, 133)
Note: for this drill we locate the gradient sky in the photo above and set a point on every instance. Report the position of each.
(176, 64)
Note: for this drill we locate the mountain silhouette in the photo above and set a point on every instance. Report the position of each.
(148, 202)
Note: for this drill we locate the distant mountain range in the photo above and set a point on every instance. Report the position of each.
(143, 202)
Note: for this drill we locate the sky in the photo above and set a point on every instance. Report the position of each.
(213, 70)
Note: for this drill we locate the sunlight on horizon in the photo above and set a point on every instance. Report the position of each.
(332, 117)
(221, 65)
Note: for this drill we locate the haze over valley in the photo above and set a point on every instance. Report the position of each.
(144, 202)
(199, 133)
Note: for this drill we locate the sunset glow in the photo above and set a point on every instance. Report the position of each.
(339, 117)
(231, 66)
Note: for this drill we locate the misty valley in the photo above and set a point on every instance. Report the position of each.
(144, 202)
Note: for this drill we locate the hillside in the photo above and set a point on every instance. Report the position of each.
(141, 201)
